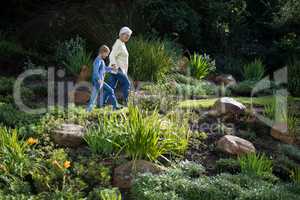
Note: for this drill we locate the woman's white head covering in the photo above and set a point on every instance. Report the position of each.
(126, 30)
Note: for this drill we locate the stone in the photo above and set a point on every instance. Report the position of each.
(123, 174)
(234, 145)
(225, 79)
(69, 135)
(227, 105)
(279, 131)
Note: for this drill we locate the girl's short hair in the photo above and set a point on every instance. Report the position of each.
(104, 48)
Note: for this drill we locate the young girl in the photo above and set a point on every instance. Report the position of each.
(99, 70)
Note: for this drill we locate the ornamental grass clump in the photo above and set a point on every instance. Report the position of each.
(255, 164)
(13, 156)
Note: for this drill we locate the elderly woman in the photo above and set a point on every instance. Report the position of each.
(119, 61)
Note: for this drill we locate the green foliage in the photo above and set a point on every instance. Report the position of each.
(254, 71)
(176, 18)
(11, 117)
(201, 65)
(151, 59)
(159, 101)
(191, 169)
(6, 90)
(12, 153)
(141, 135)
(295, 175)
(73, 54)
(147, 138)
(105, 194)
(11, 48)
(106, 138)
(291, 151)
(270, 110)
(228, 165)
(293, 78)
(221, 187)
(195, 91)
(110, 194)
(255, 164)
(245, 88)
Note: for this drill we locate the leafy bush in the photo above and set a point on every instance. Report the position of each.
(73, 55)
(150, 59)
(201, 65)
(255, 164)
(254, 71)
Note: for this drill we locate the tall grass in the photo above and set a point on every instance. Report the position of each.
(255, 164)
(13, 159)
(254, 71)
(73, 55)
(106, 138)
(201, 65)
(151, 59)
(140, 135)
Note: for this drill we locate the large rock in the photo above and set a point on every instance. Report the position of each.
(69, 135)
(234, 145)
(124, 174)
(280, 132)
(227, 105)
(225, 79)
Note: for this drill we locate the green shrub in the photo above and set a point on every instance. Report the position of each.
(201, 65)
(150, 59)
(228, 165)
(73, 55)
(254, 71)
(255, 164)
